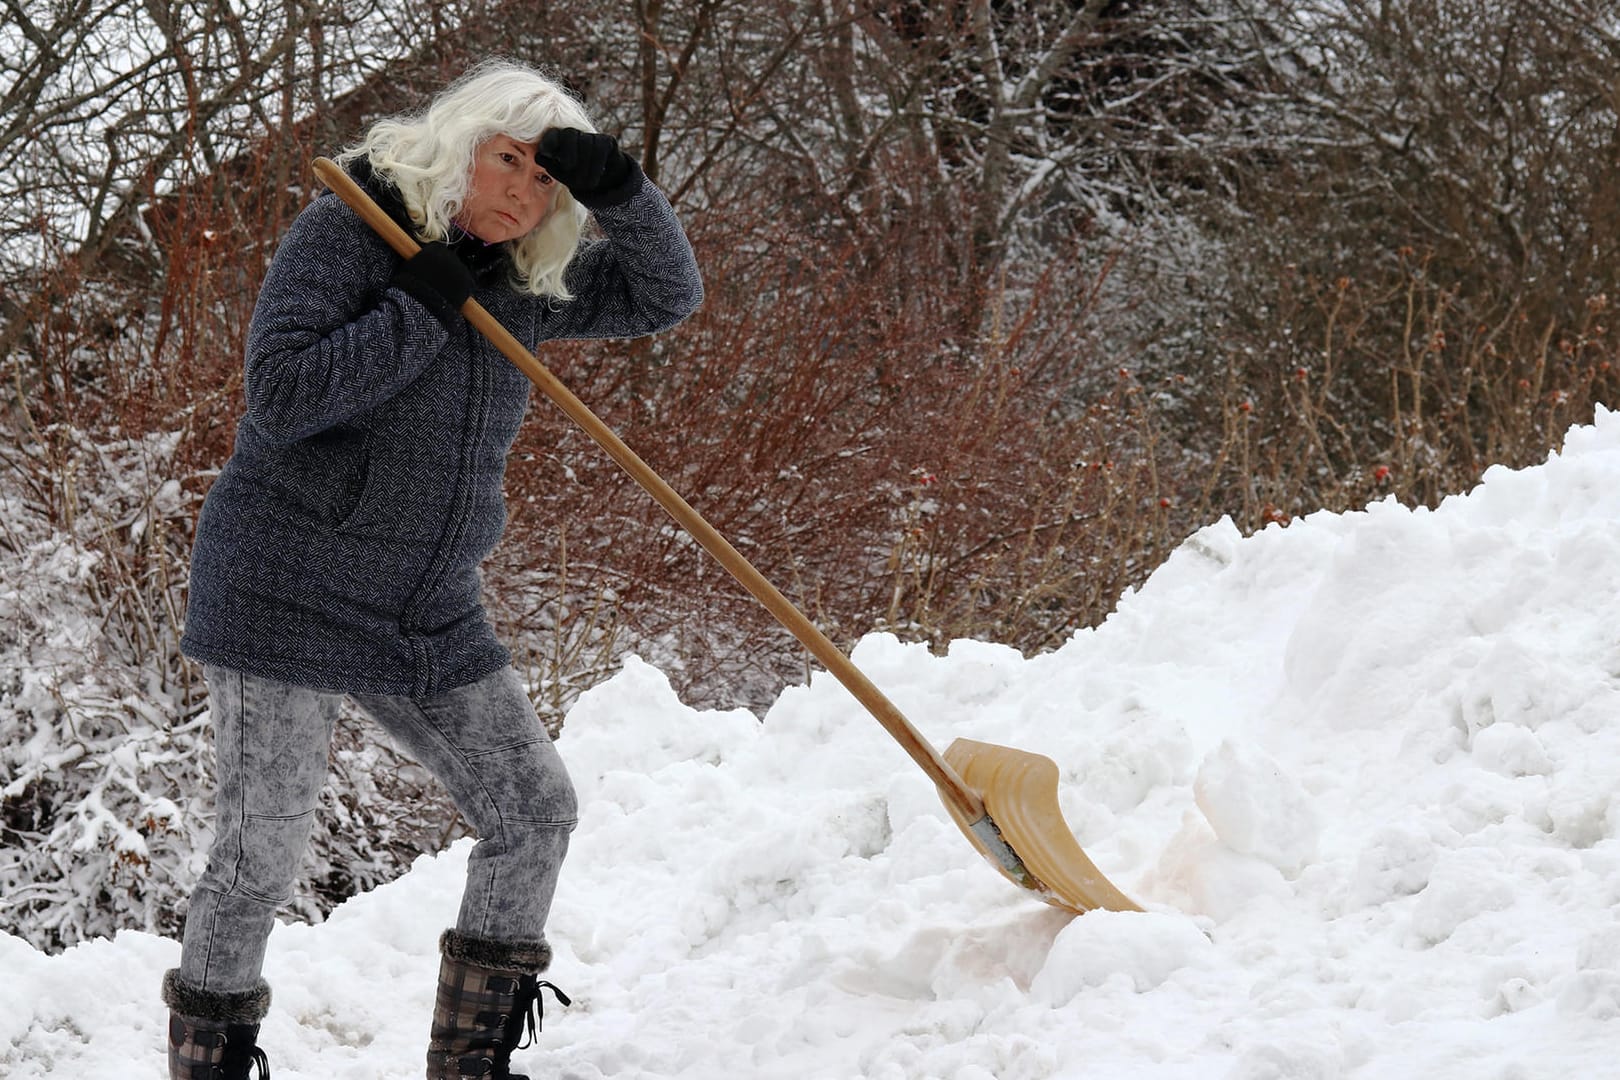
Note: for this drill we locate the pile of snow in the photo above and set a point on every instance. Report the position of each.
(1362, 771)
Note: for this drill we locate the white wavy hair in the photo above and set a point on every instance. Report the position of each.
(429, 157)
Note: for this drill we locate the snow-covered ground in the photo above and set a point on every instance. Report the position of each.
(1362, 771)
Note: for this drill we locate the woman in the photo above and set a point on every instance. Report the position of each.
(338, 551)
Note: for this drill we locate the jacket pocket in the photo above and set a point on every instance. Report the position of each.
(324, 476)
(352, 492)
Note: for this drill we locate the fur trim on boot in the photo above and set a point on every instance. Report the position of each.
(214, 1036)
(231, 1007)
(516, 957)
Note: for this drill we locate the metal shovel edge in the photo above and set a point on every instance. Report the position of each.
(1004, 799)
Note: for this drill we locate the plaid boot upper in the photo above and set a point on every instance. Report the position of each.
(488, 1000)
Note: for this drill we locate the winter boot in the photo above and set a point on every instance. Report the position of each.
(489, 998)
(214, 1036)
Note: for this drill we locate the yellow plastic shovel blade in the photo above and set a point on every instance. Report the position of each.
(1020, 793)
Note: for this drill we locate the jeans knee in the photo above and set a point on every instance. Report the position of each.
(549, 799)
(565, 801)
(267, 854)
(530, 786)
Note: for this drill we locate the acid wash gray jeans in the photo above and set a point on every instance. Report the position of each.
(482, 741)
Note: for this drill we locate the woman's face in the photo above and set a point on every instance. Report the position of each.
(509, 194)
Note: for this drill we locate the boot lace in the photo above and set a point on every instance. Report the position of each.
(242, 1053)
(523, 1025)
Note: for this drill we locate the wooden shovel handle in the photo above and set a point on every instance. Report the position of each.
(951, 785)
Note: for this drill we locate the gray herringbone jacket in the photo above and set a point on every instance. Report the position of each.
(339, 546)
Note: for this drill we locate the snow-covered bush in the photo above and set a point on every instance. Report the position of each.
(100, 724)
(105, 753)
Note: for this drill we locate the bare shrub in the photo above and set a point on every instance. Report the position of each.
(822, 413)
(1396, 384)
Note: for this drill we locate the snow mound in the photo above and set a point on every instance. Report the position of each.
(1363, 772)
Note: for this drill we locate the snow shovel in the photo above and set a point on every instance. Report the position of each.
(1004, 800)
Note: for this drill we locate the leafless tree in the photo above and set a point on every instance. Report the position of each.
(107, 106)
(1483, 132)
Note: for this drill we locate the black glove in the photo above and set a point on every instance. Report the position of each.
(590, 165)
(437, 277)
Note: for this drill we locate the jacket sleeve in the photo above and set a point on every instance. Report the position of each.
(330, 338)
(639, 278)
